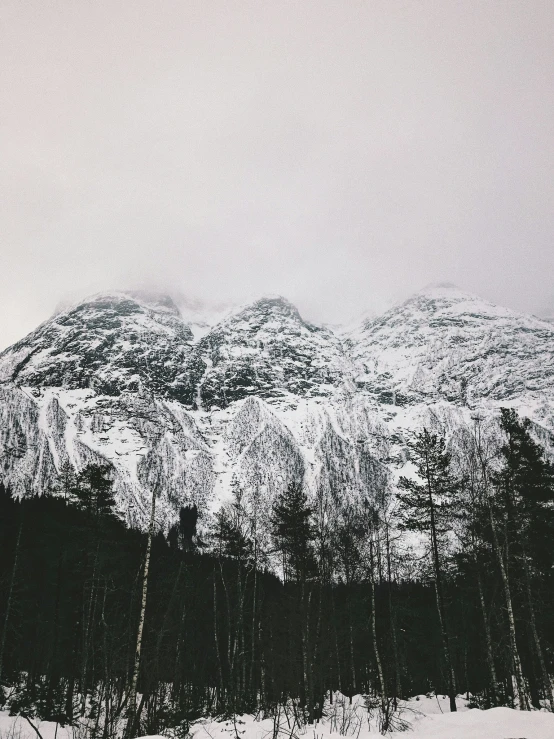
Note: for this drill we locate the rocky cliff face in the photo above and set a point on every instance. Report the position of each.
(110, 343)
(444, 343)
(267, 350)
(260, 399)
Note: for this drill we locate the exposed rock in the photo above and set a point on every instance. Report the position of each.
(262, 399)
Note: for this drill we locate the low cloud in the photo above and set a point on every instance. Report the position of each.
(341, 154)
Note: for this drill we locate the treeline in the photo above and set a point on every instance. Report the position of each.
(146, 631)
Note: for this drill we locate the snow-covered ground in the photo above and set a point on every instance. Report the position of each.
(423, 717)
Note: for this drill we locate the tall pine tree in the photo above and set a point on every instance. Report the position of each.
(427, 506)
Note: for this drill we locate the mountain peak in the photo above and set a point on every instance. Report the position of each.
(151, 300)
(265, 349)
(446, 291)
(444, 342)
(449, 300)
(273, 304)
(155, 300)
(110, 342)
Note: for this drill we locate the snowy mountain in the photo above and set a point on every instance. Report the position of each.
(267, 350)
(260, 397)
(109, 343)
(446, 344)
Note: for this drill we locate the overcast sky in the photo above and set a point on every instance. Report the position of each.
(343, 154)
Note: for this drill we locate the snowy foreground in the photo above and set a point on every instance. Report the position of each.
(423, 717)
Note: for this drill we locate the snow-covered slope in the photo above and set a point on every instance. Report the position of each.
(261, 397)
(266, 349)
(150, 442)
(446, 344)
(423, 717)
(109, 343)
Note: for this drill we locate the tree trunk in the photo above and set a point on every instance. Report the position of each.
(261, 642)
(337, 652)
(381, 674)
(10, 598)
(315, 652)
(440, 600)
(521, 697)
(216, 638)
(87, 628)
(106, 732)
(131, 710)
(177, 669)
(488, 640)
(308, 662)
(251, 687)
(352, 661)
(304, 615)
(392, 619)
(547, 685)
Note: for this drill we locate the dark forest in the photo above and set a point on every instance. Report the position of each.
(103, 621)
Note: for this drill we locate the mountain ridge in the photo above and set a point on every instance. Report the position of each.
(261, 397)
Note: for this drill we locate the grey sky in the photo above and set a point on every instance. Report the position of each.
(342, 153)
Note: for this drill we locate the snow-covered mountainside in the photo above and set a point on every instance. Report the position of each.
(109, 343)
(445, 344)
(266, 350)
(259, 399)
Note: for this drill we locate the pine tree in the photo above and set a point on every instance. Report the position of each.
(93, 492)
(6, 501)
(66, 483)
(348, 537)
(229, 534)
(188, 518)
(182, 534)
(525, 490)
(474, 533)
(523, 504)
(428, 507)
(293, 532)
